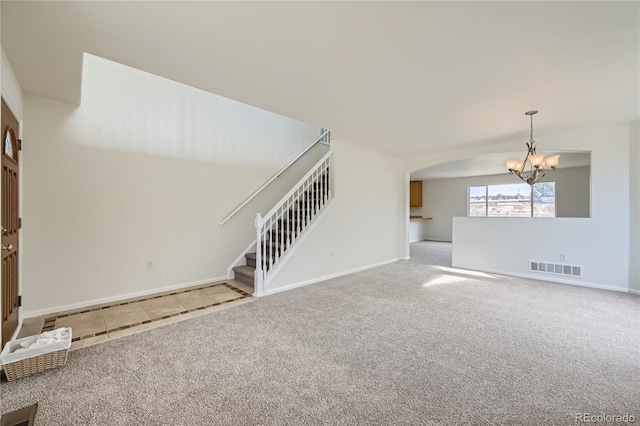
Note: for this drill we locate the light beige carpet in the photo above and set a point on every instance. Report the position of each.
(403, 344)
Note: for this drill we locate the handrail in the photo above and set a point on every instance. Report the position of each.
(323, 138)
(296, 187)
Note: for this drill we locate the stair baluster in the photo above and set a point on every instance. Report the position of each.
(258, 276)
(279, 231)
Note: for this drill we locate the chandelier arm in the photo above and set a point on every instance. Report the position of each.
(524, 162)
(534, 171)
(538, 176)
(545, 171)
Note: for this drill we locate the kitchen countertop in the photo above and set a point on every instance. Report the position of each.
(419, 218)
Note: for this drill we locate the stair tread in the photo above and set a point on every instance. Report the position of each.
(251, 256)
(282, 231)
(287, 226)
(245, 270)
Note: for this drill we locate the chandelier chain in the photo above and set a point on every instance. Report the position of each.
(531, 137)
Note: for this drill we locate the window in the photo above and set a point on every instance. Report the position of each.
(544, 199)
(8, 144)
(478, 201)
(513, 200)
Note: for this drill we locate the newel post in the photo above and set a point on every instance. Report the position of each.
(259, 276)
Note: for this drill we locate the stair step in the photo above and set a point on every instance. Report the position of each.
(292, 219)
(317, 186)
(250, 258)
(299, 213)
(245, 274)
(284, 231)
(245, 270)
(304, 203)
(292, 228)
(303, 208)
(270, 248)
(281, 235)
(291, 222)
(268, 255)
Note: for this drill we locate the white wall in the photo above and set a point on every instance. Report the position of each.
(105, 191)
(445, 198)
(126, 109)
(634, 229)
(364, 226)
(600, 243)
(417, 230)
(11, 91)
(12, 94)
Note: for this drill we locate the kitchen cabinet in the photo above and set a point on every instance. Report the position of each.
(415, 193)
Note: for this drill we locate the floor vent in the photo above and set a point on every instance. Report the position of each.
(23, 417)
(556, 269)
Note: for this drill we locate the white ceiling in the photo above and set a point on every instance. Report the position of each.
(405, 78)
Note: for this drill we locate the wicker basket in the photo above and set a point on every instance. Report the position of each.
(21, 364)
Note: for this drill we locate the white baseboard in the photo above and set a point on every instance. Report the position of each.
(52, 310)
(328, 277)
(636, 292)
(549, 279)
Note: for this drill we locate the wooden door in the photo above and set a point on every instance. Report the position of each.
(10, 223)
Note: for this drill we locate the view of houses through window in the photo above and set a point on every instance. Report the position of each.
(513, 200)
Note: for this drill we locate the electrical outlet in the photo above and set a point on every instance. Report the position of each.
(563, 257)
(150, 264)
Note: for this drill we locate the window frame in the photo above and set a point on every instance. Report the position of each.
(531, 198)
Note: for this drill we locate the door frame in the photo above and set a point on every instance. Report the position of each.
(18, 115)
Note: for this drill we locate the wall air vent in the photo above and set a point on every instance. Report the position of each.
(562, 269)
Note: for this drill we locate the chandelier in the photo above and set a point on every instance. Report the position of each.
(538, 165)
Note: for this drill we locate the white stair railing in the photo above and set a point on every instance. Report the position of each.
(325, 138)
(279, 229)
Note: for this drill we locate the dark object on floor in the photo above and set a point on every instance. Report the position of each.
(22, 417)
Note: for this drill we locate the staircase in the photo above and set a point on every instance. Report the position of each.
(279, 230)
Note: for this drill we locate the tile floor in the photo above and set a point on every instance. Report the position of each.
(99, 323)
